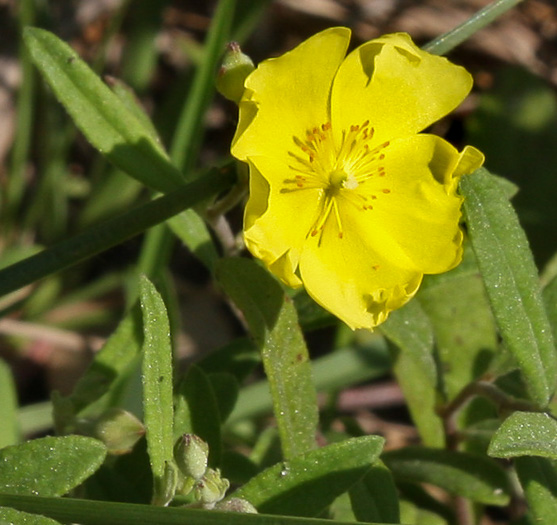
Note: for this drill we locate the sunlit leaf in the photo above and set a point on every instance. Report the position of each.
(50, 466)
(511, 281)
(525, 434)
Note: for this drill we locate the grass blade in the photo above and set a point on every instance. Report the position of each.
(111, 232)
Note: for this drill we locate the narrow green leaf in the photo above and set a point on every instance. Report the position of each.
(192, 231)
(410, 331)
(103, 118)
(525, 434)
(511, 282)
(9, 431)
(538, 477)
(273, 323)
(197, 412)
(447, 41)
(89, 512)
(109, 233)
(12, 517)
(375, 496)
(157, 387)
(469, 475)
(308, 483)
(50, 466)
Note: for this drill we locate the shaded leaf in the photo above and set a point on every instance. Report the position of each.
(411, 333)
(375, 496)
(525, 434)
(538, 477)
(273, 323)
(515, 126)
(465, 336)
(50, 466)
(226, 389)
(308, 483)
(511, 281)
(197, 412)
(469, 475)
(111, 364)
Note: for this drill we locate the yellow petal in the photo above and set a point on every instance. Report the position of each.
(276, 223)
(353, 280)
(398, 87)
(415, 205)
(287, 96)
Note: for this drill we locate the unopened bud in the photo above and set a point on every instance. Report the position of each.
(191, 453)
(211, 488)
(235, 68)
(119, 430)
(236, 505)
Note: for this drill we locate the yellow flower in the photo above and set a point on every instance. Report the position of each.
(346, 197)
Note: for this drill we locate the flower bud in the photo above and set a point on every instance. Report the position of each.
(236, 66)
(211, 488)
(191, 453)
(119, 430)
(236, 505)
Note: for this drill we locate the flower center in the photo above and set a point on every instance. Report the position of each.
(337, 179)
(343, 172)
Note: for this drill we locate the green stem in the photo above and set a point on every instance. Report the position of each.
(187, 137)
(110, 233)
(189, 131)
(444, 43)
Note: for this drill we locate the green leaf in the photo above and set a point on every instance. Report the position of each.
(9, 429)
(157, 387)
(109, 366)
(109, 233)
(550, 302)
(375, 496)
(538, 477)
(525, 434)
(50, 466)
(100, 114)
(239, 358)
(511, 282)
(273, 323)
(308, 483)
(11, 516)
(465, 337)
(226, 390)
(197, 412)
(410, 331)
(469, 475)
(192, 231)
(89, 512)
